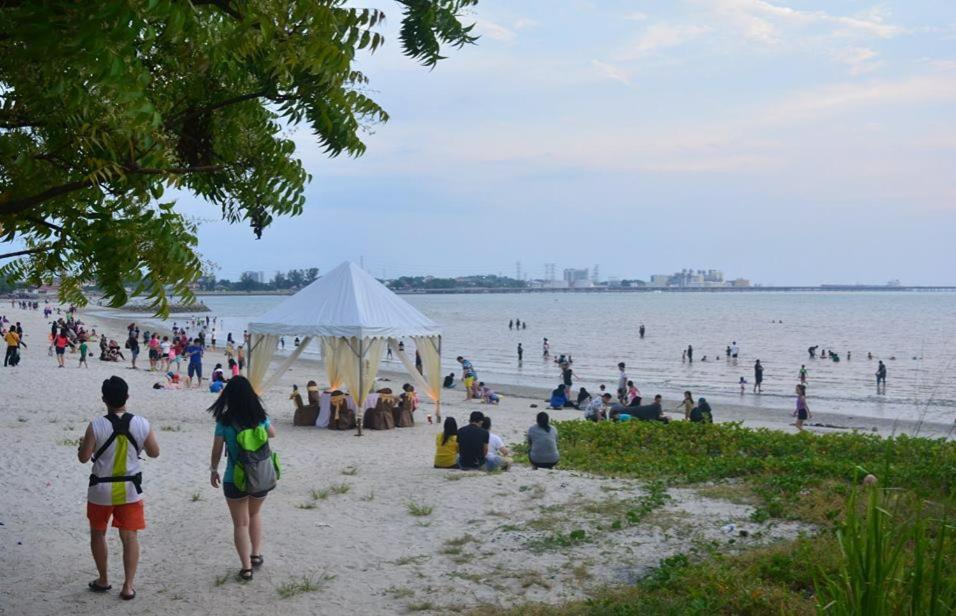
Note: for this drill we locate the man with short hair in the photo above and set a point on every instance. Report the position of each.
(597, 410)
(13, 340)
(468, 377)
(113, 443)
(473, 443)
(194, 368)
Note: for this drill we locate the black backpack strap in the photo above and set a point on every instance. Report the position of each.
(136, 479)
(120, 426)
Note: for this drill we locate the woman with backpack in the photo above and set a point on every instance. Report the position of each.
(241, 425)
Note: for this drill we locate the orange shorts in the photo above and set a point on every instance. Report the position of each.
(125, 517)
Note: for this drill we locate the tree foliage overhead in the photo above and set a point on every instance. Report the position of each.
(106, 105)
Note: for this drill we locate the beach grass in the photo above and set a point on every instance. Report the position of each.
(418, 509)
(351, 471)
(303, 584)
(881, 549)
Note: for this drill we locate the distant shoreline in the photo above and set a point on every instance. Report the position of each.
(762, 289)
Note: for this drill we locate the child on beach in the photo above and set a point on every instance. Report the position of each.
(488, 396)
(802, 412)
(743, 386)
(803, 374)
(687, 404)
(83, 351)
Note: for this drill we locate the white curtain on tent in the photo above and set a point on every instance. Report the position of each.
(260, 356)
(332, 350)
(360, 357)
(429, 347)
(430, 382)
(285, 365)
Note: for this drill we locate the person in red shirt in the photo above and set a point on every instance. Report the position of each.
(60, 343)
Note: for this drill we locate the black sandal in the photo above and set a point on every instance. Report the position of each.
(256, 560)
(245, 575)
(97, 588)
(128, 597)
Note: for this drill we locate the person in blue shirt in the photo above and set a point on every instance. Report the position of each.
(559, 398)
(194, 353)
(239, 408)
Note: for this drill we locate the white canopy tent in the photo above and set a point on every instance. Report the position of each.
(355, 317)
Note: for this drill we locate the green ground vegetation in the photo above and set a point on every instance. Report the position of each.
(882, 549)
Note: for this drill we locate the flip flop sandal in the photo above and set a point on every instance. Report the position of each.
(128, 597)
(97, 588)
(245, 575)
(256, 560)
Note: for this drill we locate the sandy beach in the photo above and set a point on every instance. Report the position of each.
(340, 516)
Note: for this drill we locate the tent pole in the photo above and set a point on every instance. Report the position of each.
(438, 402)
(360, 401)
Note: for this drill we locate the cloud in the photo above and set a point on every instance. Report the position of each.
(635, 16)
(661, 36)
(611, 72)
(764, 22)
(494, 31)
(858, 59)
(523, 22)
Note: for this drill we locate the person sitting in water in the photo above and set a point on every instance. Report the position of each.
(702, 413)
(559, 398)
(446, 445)
(449, 382)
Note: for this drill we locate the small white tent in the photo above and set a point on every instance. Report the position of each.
(355, 316)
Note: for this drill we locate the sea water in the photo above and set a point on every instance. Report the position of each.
(914, 333)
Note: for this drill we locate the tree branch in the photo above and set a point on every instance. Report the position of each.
(136, 170)
(222, 5)
(29, 251)
(18, 205)
(223, 103)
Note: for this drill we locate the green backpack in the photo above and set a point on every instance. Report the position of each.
(257, 467)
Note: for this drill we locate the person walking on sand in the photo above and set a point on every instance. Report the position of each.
(687, 405)
(881, 377)
(84, 349)
(132, 343)
(239, 410)
(14, 342)
(115, 491)
(194, 368)
(520, 352)
(60, 343)
(758, 377)
(802, 412)
(621, 383)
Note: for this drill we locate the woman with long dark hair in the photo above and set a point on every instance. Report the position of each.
(543, 443)
(446, 445)
(238, 408)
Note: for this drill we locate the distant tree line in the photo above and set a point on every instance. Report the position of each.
(293, 279)
(466, 282)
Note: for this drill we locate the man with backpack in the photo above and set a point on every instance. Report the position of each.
(113, 443)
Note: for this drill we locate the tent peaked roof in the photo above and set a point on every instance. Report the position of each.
(345, 302)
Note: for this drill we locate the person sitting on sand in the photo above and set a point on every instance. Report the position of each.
(633, 395)
(559, 398)
(236, 409)
(647, 412)
(543, 443)
(498, 453)
(473, 444)
(488, 396)
(217, 374)
(449, 382)
(584, 398)
(702, 413)
(113, 443)
(597, 409)
(408, 393)
(446, 445)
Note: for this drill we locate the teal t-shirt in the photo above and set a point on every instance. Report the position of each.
(228, 434)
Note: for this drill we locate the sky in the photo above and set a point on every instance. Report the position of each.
(783, 141)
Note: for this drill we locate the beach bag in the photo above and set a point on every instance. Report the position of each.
(256, 468)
